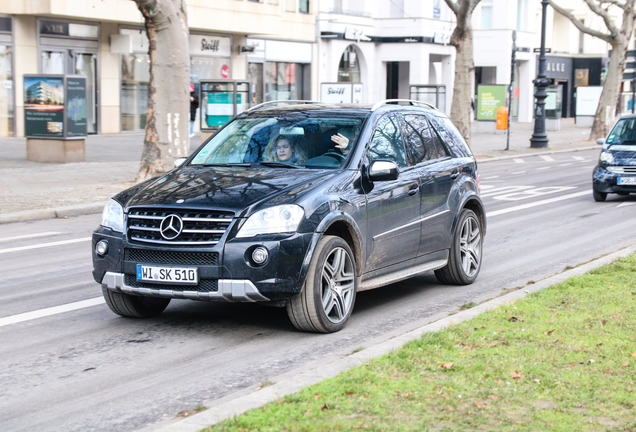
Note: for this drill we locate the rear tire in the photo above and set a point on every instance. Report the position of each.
(326, 301)
(131, 306)
(599, 196)
(464, 260)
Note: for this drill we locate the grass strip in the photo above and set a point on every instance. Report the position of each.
(562, 359)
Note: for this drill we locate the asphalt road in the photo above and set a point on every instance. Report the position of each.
(79, 367)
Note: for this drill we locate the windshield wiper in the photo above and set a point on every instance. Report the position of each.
(279, 165)
(242, 164)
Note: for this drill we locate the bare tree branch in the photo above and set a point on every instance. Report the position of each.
(579, 25)
(613, 2)
(453, 6)
(603, 13)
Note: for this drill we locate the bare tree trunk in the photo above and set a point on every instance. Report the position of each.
(462, 40)
(604, 118)
(167, 118)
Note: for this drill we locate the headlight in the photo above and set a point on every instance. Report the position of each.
(606, 157)
(273, 220)
(113, 216)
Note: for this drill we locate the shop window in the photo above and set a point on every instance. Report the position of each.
(349, 67)
(6, 91)
(135, 79)
(287, 81)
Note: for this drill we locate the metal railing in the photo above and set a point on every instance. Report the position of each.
(412, 102)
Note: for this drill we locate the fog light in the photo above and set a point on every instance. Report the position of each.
(101, 248)
(260, 255)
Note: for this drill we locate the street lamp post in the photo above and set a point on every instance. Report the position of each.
(539, 137)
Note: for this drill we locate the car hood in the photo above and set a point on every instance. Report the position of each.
(623, 157)
(234, 189)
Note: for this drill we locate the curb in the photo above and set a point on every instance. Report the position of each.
(52, 213)
(293, 381)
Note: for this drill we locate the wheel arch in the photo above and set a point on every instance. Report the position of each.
(474, 203)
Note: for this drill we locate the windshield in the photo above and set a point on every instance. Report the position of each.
(293, 140)
(623, 133)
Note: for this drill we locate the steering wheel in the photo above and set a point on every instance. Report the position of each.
(335, 155)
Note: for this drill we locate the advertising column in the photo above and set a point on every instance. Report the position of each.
(55, 120)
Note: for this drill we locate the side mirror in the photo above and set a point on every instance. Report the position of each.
(179, 162)
(600, 141)
(383, 170)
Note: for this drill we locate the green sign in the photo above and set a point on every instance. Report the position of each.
(220, 108)
(44, 106)
(489, 98)
(75, 106)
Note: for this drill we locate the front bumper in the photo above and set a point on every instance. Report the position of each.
(230, 276)
(228, 290)
(607, 182)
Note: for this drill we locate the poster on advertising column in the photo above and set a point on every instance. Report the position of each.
(489, 98)
(75, 106)
(44, 106)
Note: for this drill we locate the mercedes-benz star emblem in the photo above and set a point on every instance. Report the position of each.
(171, 227)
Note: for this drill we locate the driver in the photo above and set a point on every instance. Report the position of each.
(284, 150)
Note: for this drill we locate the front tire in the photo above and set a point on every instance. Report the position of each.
(599, 196)
(130, 306)
(326, 301)
(464, 260)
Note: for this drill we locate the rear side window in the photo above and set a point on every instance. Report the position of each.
(387, 142)
(420, 140)
(451, 136)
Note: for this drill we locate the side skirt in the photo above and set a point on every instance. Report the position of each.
(404, 270)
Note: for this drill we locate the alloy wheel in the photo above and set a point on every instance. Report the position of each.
(470, 246)
(337, 285)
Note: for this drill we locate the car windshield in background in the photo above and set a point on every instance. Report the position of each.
(623, 133)
(288, 140)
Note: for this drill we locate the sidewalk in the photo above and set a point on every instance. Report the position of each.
(32, 190)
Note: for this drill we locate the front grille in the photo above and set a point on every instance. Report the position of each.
(200, 227)
(622, 169)
(204, 285)
(170, 257)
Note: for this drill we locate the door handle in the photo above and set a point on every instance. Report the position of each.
(413, 189)
(454, 175)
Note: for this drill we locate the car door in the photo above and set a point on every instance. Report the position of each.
(431, 161)
(393, 207)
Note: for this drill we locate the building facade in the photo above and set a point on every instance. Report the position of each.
(270, 43)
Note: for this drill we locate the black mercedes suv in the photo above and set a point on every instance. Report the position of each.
(299, 205)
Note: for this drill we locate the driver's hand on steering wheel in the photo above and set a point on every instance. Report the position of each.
(342, 142)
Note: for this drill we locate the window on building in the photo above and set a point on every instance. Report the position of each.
(7, 104)
(135, 79)
(349, 67)
(303, 6)
(287, 81)
(486, 14)
(522, 15)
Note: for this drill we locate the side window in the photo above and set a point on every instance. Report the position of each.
(419, 139)
(387, 142)
(451, 136)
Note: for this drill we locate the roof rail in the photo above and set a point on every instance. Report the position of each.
(259, 106)
(412, 102)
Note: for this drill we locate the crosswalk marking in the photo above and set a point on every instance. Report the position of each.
(627, 203)
(536, 204)
(543, 168)
(578, 158)
(517, 160)
(566, 164)
(547, 158)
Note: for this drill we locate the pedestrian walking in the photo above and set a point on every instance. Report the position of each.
(194, 104)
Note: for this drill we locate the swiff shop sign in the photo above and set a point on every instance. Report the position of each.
(210, 46)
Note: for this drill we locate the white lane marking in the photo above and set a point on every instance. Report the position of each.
(43, 245)
(547, 158)
(26, 236)
(491, 177)
(536, 204)
(519, 161)
(519, 172)
(579, 158)
(543, 168)
(625, 204)
(566, 164)
(503, 189)
(486, 187)
(28, 316)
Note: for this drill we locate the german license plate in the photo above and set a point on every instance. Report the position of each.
(173, 275)
(627, 180)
